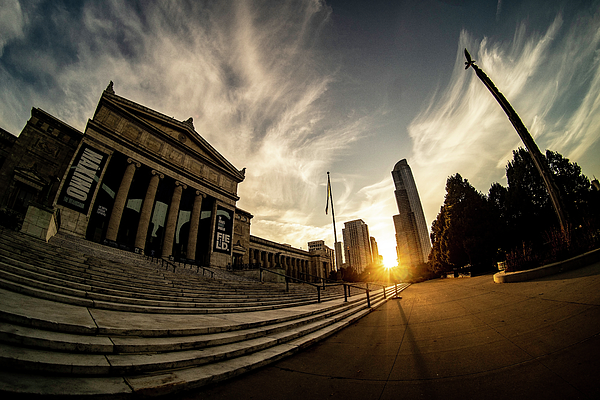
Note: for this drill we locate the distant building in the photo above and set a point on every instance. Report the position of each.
(357, 245)
(339, 259)
(327, 253)
(377, 258)
(412, 237)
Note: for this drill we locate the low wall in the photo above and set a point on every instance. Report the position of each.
(40, 222)
(572, 263)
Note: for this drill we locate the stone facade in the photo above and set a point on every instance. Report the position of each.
(297, 263)
(141, 181)
(149, 183)
(35, 162)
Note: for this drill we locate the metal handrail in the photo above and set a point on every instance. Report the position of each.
(287, 278)
(323, 280)
(168, 263)
(347, 286)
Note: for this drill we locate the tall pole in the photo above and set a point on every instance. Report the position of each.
(534, 151)
(330, 197)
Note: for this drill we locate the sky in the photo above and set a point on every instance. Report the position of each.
(293, 89)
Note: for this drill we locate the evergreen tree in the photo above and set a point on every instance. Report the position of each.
(527, 209)
(464, 230)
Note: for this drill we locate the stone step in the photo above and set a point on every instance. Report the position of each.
(37, 313)
(63, 285)
(80, 298)
(193, 288)
(44, 361)
(69, 342)
(73, 324)
(165, 382)
(133, 279)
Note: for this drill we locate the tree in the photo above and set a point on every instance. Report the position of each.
(464, 230)
(530, 232)
(527, 209)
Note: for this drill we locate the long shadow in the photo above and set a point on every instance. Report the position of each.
(409, 338)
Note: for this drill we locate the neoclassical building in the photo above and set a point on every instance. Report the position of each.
(142, 181)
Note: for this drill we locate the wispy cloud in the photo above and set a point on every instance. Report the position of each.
(253, 76)
(11, 23)
(551, 78)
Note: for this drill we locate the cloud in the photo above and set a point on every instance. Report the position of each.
(253, 76)
(11, 22)
(550, 77)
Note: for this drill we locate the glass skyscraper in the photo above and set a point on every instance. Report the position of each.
(412, 236)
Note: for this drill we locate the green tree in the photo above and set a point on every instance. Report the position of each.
(525, 205)
(464, 230)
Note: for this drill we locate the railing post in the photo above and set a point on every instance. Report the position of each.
(287, 285)
(384, 293)
(368, 298)
(260, 274)
(318, 294)
(396, 286)
(345, 294)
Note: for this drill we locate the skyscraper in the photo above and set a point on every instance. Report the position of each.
(412, 238)
(357, 245)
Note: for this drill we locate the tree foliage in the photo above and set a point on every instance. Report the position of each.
(526, 207)
(475, 229)
(461, 233)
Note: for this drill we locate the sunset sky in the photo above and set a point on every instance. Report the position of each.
(293, 89)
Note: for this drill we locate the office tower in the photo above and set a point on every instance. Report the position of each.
(377, 258)
(412, 236)
(357, 245)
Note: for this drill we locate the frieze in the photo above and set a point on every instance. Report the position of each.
(196, 167)
(176, 156)
(153, 144)
(132, 132)
(112, 120)
(213, 176)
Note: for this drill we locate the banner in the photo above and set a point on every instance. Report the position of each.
(82, 178)
(223, 231)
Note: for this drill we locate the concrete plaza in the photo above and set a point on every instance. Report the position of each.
(466, 338)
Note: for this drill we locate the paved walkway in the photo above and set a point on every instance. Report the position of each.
(451, 339)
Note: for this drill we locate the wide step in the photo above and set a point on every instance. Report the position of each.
(77, 324)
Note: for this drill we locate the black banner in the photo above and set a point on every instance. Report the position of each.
(82, 179)
(223, 230)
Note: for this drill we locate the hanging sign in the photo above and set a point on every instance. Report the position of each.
(223, 231)
(82, 178)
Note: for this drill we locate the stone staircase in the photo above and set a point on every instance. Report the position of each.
(82, 321)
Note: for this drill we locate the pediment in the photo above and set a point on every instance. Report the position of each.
(30, 177)
(176, 141)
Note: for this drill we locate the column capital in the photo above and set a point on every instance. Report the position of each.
(199, 193)
(137, 164)
(183, 185)
(155, 172)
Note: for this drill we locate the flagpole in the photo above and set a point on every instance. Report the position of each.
(330, 197)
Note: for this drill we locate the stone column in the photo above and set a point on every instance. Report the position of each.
(146, 213)
(120, 200)
(194, 222)
(171, 223)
